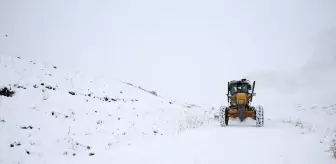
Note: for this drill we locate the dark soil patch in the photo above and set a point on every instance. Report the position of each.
(26, 127)
(19, 86)
(72, 93)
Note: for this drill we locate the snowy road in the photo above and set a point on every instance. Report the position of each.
(276, 143)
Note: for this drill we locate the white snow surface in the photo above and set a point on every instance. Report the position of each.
(40, 125)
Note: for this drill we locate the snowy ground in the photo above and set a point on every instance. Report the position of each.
(56, 116)
(274, 143)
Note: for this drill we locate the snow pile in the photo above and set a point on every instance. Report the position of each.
(317, 120)
(54, 114)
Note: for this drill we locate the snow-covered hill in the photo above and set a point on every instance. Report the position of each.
(51, 115)
(58, 115)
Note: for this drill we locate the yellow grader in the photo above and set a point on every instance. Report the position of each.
(240, 94)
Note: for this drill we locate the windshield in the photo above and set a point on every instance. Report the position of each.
(239, 87)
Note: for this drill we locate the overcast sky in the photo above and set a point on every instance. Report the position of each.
(183, 49)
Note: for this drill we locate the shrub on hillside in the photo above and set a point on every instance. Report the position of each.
(6, 92)
(333, 147)
(193, 122)
(153, 93)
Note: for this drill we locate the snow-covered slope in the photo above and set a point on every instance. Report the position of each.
(60, 116)
(57, 114)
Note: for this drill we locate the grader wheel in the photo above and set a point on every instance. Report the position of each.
(259, 116)
(223, 116)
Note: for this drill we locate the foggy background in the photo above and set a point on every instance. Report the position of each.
(183, 49)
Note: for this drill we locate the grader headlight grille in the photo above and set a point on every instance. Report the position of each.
(241, 101)
(241, 98)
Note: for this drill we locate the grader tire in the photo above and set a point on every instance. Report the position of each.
(259, 116)
(222, 117)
